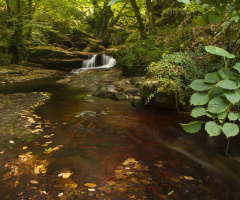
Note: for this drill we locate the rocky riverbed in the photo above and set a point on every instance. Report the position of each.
(18, 120)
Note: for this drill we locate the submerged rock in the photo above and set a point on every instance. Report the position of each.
(102, 91)
(118, 96)
(87, 114)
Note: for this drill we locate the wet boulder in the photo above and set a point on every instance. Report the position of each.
(117, 96)
(158, 94)
(102, 91)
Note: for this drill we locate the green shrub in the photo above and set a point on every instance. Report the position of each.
(134, 57)
(215, 96)
(176, 71)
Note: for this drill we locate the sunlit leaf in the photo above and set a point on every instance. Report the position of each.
(90, 185)
(65, 175)
(60, 194)
(188, 178)
(34, 182)
(129, 161)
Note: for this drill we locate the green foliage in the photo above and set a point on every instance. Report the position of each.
(215, 97)
(176, 71)
(133, 57)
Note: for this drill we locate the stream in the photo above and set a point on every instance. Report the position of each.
(109, 150)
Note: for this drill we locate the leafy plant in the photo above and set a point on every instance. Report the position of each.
(175, 72)
(215, 97)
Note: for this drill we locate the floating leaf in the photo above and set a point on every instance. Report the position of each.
(90, 185)
(188, 178)
(65, 175)
(217, 105)
(34, 182)
(212, 128)
(60, 194)
(199, 98)
(200, 85)
(129, 161)
(192, 127)
(230, 129)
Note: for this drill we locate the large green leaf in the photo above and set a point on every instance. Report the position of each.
(218, 105)
(222, 115)
(213, 116)
(228, 84)
(225, 73)
(216, 91)
(199, 98)
(214, 17)
(198, 111)
(200, 85)
(192, 127)
(212, 128)
(232, 116)
(218, 51)
(230, 129)
(232, 95)
(212, 77)
(237, 67)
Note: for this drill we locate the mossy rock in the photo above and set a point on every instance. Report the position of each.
(102, 91)
(93, 47)
(117, 96)
(164, 97)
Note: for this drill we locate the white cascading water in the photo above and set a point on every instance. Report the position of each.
(107, 62)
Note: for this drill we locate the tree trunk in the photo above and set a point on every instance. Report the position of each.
(9, 8)
(152, 27)
(17, 47)
(106, 15)
(139, 18)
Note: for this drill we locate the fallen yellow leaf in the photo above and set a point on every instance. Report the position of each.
(90, 185)
(65, 175)
(188, 178)
(25, 147)
(34, 182)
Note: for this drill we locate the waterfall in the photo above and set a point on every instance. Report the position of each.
(105, 62)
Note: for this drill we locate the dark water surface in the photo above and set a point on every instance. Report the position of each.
(97, 135)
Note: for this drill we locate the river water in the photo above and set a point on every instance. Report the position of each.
(97, 135)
